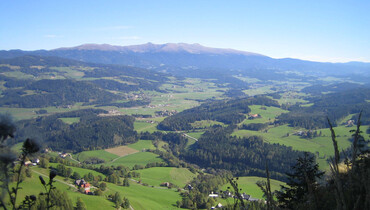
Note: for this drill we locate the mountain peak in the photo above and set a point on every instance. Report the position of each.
(156, 48)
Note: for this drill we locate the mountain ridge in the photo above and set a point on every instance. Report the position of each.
(157, 48)
(189, 60)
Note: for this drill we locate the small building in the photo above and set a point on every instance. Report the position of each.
(81, 183)
(166, 184)
(245, 196)
(253, 116)
(27, 163)
(213, 195)
(64, 155)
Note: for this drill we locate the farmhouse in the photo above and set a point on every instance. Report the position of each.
(64, 155)
(82, 184)
(253, 116)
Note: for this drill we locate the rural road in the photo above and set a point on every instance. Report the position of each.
(190, 137)
(47, 176)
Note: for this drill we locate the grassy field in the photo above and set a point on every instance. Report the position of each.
(267, 114)
(102, 154)
(81, 171)
(140, 158)
(157, 175)
(121, 151)
(195, 134)
(140, 197)
(70, 120)
(142, 145)
(28, 113)
(32, 186)
(143, 197)
(205, 124)
(123, 155)
(142, 126)
(248, 185)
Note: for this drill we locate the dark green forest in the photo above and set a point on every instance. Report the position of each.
(92, 132)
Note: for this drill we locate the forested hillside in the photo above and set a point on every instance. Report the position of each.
(90, 133)
(38, 82)
(63, 92)
(334, 106)
(228, 112)
(243, 156)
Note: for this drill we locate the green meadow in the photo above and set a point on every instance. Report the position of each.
(81, 171)
(196, 135)
(268, 114)
(140, 197)
(249, 186)
(157, 175)
(70, 120)
(145, 197)
(140, 158)
(142, 126)
(142, 144)
(32, 186)
(205, 124)
(102, 154)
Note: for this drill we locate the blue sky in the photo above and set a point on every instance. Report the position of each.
(333, 31)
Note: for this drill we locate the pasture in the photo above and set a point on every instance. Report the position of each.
(140, 158)
(145, 197)
(249, 186)
(70, 120)
(32, 186)
(268, 114)
(142, 126)
(157, 175)
(121, 151)
(142, 145)
(102, 154)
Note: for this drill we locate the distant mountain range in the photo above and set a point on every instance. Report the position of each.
(160, 48)
(191, 60)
